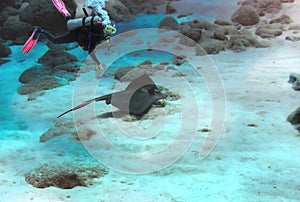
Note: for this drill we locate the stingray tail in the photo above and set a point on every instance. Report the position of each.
(77, 107)
(105, 97)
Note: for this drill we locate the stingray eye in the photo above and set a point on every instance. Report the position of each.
(151, 91)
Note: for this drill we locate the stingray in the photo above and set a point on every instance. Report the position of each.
(136, 99)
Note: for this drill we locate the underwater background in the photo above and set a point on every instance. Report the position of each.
(227, 131)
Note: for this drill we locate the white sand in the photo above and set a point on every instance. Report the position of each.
(249, 163)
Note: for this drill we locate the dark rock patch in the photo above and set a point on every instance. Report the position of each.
(6, 12)
(122, 71)
(186, 41)
(294, 118)
(295, 27)
(199, 24)
(118, 11)
(283, 19)
(5, 3)
(264, 6)
(64, 176)
(227, 30)
(42, 83)
(211, 46)
(178, 60)
(13, 28)
(170, 9)
(169, 23)
(268, 31)
(219, 35)
(132, 7)
(242, 41)
(54, 57)
(294, 79)
(191, 31)
(61, 127)
(287, 1)
(246, 15)
(43, 13)
(166, 39)
(71, 67)
(182, 15)
(4, 50)
(293, 38)
(33, 73)
(222, 22)
(146, 62)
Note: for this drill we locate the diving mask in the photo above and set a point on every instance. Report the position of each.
(110, 29)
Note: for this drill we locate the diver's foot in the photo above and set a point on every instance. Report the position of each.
(37, 31)
(100, 70)
(100, 67)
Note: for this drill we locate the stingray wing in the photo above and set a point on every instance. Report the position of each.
(138, 96)
(143, 99)
(140, 82)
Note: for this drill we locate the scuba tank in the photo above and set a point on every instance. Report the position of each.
(83, 22)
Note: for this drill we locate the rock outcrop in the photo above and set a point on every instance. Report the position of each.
(264, 6)
(246, 15)
(269, 31)
(42, 83)
(56, 69)
(65, 175)
(294, 118)
(4, 50)
(169, 23)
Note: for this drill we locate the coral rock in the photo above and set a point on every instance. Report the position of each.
(169, 23)
(268, 31)
(33, 73)
(246, 15)
(283, 19)
(170, 9)
(4, 50)
(11, 29)
(42, 83)
(64, 176)
(55, 57)
(264, 6)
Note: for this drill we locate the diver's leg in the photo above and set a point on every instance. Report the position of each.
(31, 42)
(65, 38)
(94, 57)
(100, 68)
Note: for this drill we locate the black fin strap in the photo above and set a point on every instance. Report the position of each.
(83, 22)
(85, 12)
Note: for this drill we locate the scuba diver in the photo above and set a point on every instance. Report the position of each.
(87, 31)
